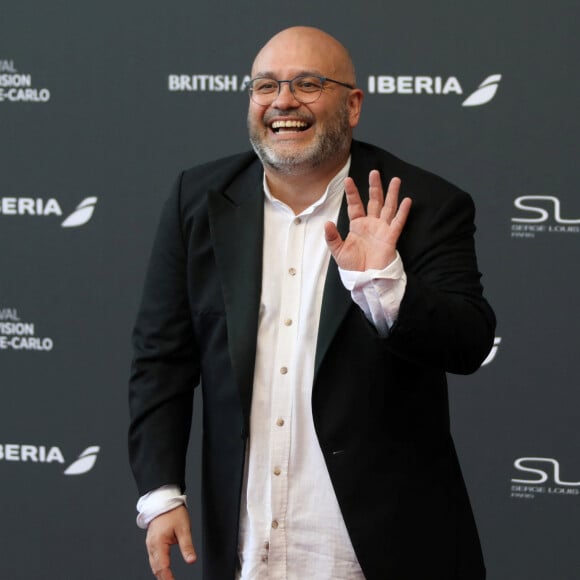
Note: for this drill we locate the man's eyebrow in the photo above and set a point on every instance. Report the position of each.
(263, 74)
(271, 75)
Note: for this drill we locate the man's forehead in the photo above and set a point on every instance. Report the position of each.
(289, 72)
(272, 61)
(300, 50)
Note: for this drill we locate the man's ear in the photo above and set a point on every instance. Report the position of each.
(355, 100)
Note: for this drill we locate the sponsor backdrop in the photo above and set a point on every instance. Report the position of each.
(101, 104)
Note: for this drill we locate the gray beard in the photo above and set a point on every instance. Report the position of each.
(332, 144)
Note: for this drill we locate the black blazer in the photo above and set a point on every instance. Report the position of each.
(379, 404)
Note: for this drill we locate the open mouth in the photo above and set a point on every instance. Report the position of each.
(289, 126)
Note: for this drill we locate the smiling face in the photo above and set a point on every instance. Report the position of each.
(291, 137)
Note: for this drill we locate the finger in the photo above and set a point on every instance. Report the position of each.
(400, 219)
(158, 555)
(389, 208)
(375, 204)
(353, 200)
(159, 550)
(165, 574)
(159, 562)
(186, 545)
(160, 568)
(333, 238)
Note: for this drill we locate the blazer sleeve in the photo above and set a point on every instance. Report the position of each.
(165, 366)
(444, 321)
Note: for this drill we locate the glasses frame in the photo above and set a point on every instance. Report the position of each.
(323, 80)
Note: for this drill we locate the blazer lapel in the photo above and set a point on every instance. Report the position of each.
(336, 299)
(236, 217)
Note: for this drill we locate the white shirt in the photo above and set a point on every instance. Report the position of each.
(291, 526)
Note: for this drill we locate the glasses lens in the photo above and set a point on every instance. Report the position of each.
(263, 90)
(307, 89)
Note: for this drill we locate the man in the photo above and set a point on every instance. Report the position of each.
(326, 444)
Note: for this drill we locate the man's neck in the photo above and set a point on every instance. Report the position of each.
(300, 189)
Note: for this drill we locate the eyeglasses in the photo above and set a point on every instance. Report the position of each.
(305, 88)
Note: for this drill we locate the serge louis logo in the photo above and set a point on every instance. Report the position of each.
(539, 214)
(16, 87)
(41, 207)
(433, 85)
(18, 335)
(541, 476)
(44, 454)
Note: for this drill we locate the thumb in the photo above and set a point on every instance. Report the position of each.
(332, 237)
(185, 542)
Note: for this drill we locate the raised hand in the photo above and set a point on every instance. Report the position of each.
(372, 240)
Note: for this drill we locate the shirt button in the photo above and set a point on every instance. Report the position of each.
(266, 545)
(277, 471)
(297, 221)
(283, 370)
(288, 322)
(275, 524)
(292, 271)
(264, 558)
(280, 422)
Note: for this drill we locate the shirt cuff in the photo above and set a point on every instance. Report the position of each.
(157, 502)
(378, 292)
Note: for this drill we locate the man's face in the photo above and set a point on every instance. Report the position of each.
(319, 133)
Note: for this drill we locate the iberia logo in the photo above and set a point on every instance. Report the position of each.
(82, 214)
(84, 463)
(12, 453)
(484, 93)
(41, 207)
(426, 85)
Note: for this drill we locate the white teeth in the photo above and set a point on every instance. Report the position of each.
(288, 124)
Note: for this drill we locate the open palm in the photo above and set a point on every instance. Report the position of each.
(372, 239)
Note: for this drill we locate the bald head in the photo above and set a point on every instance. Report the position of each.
(304, 49)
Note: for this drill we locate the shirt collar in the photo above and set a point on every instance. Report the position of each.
(334, 187)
